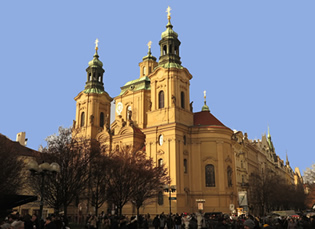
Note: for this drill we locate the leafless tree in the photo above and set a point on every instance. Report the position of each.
(11, 166)
(149, 179)
(73, 154)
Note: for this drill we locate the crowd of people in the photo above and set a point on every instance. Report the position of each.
(164, 221)
(32, 222)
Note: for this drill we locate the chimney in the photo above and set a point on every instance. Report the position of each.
(20, 137)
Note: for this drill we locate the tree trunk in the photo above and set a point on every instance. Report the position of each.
(138, 219)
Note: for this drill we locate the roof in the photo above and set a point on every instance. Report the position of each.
(17, 147)
(135, 85)
(11, 201)
(205, 118)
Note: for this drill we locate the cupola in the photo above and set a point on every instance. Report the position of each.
(148, 63)
(169, 46)
(95, 74)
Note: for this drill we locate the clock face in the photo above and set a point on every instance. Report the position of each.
(119, 108)
(161, 139)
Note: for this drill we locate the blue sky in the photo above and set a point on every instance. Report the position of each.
(255, 59)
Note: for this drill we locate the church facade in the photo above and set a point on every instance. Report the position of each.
(207, 162)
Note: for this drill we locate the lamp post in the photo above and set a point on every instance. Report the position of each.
(44, 169)
(170, 189)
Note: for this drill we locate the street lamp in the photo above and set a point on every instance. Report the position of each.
(42, 170)
(170, 189)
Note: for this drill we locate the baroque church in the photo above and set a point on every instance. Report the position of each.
(208, 163)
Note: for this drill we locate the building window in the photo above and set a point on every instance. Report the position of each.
(160, 198)
(175, 50)
(161, 99)
(182, 99)
(160, 162)
(90, 77)
(185, 165)
(82, 119)
(210, 176)
(229, 176)
(99, 78)
(243, 180)
(101, 119)
(184, 139)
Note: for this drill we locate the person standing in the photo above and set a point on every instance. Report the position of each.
(49, 224)
(162, 221)
(156, 222)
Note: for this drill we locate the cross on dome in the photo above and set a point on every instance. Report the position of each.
(96, 44)
(168, 10)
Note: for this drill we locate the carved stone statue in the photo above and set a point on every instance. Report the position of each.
(91, 119)
(174, 99)
(191, 106)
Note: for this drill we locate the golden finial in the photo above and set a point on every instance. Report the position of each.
(96, 44)
(168, 10)
(149, 44)
(204, 94)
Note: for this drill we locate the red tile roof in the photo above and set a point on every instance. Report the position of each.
(205, 118)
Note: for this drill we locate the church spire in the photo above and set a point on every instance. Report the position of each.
(95, 73)
(149, 56)
(169, 46)
(205, 107)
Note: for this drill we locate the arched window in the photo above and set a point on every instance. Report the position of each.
(90, 77)
(101, 119)
(99, 78)
(144, 69)
(229, 176)
(160, 162)
(164, 50)
(182, 99)
(175, 50)
(184, 139)
(161, 99)
(160, 198)
(210, 176)
(185, 166)
(82, 119)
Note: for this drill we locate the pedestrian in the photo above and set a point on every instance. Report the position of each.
(49, 224)
(249, 224)
(162, 221)
(156, 222)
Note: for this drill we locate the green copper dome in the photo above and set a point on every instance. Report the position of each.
(169, 32)
(95, 62)
(205, 108)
